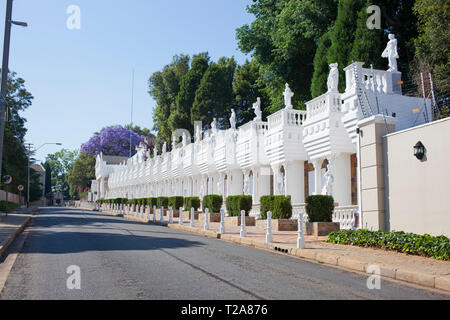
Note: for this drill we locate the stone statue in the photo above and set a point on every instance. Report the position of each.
(333, 78)
(246, 184)
(164, 148)
(329, 180)
(288, 94)
(174, 142)
(233, 120)
(391, 53)
(257, 109)
(200, 192)
(214, 126)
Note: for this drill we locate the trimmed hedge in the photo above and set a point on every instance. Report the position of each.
(319, 208)
(176, 202)
(213, 202)
(423, 245)
(235, 204)
(162, 202)
(152, 202)
(11, 206)
(280, 206)
(191, 202)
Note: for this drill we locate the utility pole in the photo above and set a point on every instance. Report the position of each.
(5, 64)
(5, 74)
(28, 175)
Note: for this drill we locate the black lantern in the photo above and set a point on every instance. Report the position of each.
(419, 150)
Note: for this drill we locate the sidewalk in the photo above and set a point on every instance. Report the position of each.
(12, 225)
(417, 270)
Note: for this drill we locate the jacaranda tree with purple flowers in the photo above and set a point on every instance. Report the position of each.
(112, 141)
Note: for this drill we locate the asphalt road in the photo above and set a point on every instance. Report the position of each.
(120, 259)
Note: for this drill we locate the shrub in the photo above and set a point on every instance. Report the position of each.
(191, 202)
(235, 204)
(175, 202)
(319, 208)
(213, 202)
(152, 202)
(11, 206)
(280, 206)
(423, 245)
(162, 202)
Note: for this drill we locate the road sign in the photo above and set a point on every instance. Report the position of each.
(20, 187)
(7, 179)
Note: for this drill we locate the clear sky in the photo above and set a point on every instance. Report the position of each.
(81, 79)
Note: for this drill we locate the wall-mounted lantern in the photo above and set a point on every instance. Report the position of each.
(419, 150)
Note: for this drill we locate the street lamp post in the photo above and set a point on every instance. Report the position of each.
(28, 173)
(3, 88)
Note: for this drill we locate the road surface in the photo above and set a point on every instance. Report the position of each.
(121, 259)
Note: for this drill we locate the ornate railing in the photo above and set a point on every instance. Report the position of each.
(347, 217)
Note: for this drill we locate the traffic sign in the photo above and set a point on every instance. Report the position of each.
(20, 187)
(7, 179)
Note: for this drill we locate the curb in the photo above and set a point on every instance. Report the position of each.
(14, 236)
(403, 275)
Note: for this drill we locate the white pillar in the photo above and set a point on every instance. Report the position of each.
(342, 185)
(242, 233)
(170, 215)
(317, 163)
(180, 215)
(269, 227)
(192, 217)
(295, 181)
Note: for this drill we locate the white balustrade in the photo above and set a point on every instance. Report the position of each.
(345, 216)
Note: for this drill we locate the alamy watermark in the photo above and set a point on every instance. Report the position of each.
(374, 19)
(73, 22)
(74, 280)
(374, 280)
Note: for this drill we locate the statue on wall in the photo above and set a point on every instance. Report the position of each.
(174, 142)
(214, 126)
(329, 180)
(233, 119)
(164, 148)
(391, 53)
(197, 134)
(288, 94)
(246, 184)
(333, 78)
(257, 109)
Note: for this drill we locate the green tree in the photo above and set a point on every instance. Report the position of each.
(81, 174)
(283, 40)
(48, 178)
(164, 87)
(321, 67)
(60, 164)
(247, 88)
(181, 116)
(432, 43)
(214, 97)
(342, 36)
(137, 129)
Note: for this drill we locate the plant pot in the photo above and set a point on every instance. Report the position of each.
(278, 224)
(321, 228)
(236, 221)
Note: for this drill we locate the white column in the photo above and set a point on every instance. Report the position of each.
(317, 163)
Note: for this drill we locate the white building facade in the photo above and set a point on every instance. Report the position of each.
(294, 152)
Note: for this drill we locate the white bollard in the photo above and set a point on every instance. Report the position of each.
(269, 227)
(192, 217)
(300, 237)
(161, 216)
(154, 213)
(142, 212)
(147, 212)
(180, 215)
(206, 225)
(242, 233)
(170, 215)
(222, 222)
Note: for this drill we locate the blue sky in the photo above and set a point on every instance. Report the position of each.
(81, 79)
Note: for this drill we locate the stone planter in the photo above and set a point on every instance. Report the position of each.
(278, 224)
(213, 217)
(236, 221)
(176, 213)
(187, 215)
(321, 228)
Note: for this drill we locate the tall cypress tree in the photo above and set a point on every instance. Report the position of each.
(343, 35)
(369, 43)
(321, 68)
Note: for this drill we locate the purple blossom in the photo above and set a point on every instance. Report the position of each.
(112, 141)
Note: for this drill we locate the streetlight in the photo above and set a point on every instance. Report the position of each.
(28, 173)
(5, 63)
